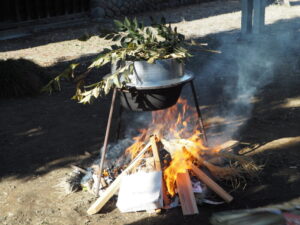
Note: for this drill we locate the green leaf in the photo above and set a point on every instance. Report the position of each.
(86, 99)
(114, 47)
(106, 50)
(148, 31)
(127, 22)
(117, 38)
(141, 25)
(108, 85)
(137, 42)
(118, 24)
(54, 84)
(109, 36)
(152, 59)
(123, 55)
(116, 81)
(96, 92)
(101, 60)
(131, 68)
(135, 23)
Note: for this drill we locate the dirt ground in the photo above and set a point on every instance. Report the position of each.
(41, 137)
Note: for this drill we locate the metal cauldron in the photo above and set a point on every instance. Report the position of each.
(154, 86)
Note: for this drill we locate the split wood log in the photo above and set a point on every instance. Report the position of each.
(211, 184)
(155, 153)
(157, 163)
(114, 187)
(186, 194)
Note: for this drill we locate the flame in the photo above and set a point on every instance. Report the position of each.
(182, 158)
(178, 126)
(139, 143)
(179, 121)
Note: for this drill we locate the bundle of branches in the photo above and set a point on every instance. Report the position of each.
(21, 77)
(133, 42)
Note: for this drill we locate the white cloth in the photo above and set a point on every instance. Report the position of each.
(140, 191)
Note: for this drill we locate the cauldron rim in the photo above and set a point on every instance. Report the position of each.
(188, 76)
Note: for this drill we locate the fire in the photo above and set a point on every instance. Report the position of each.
(179, 121)
(134, 149)
(178, 129)
(186, 154)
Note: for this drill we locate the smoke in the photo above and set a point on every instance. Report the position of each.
(131, 122)
(229, 82)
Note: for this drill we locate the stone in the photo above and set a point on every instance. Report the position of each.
(95, 3)
(119, 3)
(123, 10)
(109, 13)
(109, 4)
(97, 12)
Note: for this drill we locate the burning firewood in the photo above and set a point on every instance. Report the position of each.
(221, 172)
(175, 150)
(186, 194)
(155, 153)
(211, 184)
(158, 166)
(196, 150)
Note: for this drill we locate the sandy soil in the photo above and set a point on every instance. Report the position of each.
(41, 137)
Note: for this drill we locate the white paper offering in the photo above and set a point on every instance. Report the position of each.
(140, 191)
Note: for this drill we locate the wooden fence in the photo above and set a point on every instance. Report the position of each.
(16, 11)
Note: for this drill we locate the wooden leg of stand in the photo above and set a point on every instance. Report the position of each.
(106, 139)
(199, 113)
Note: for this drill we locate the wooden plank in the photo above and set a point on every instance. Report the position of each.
(114, 187)
(211, 184)
(155, 153)
(157, 163)
(186, 194)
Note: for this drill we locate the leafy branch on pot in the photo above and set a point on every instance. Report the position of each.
(136, 42)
